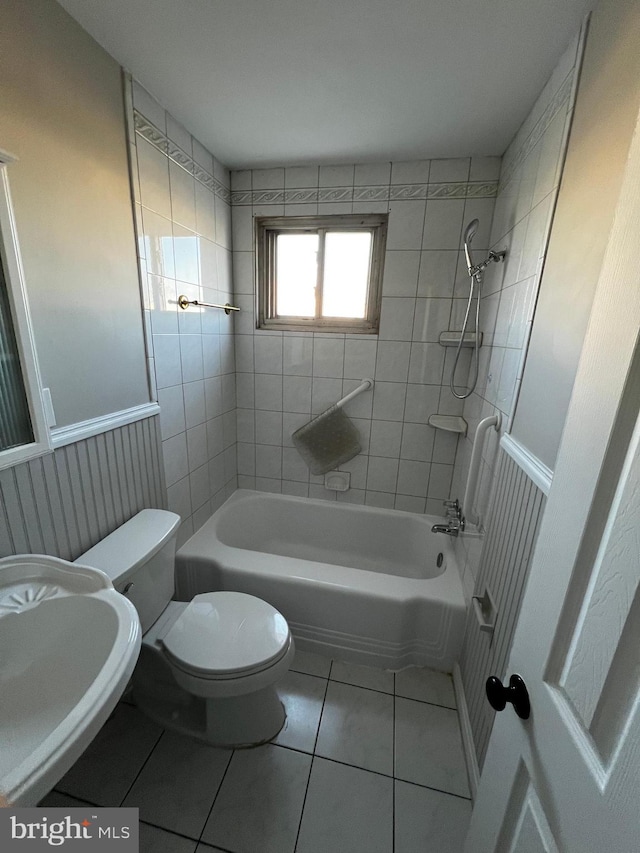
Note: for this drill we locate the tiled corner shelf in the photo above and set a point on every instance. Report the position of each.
(448, 423)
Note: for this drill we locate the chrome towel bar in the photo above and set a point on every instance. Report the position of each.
(184, 303)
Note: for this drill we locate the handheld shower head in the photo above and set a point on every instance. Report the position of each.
(471, 229)
(469, 234)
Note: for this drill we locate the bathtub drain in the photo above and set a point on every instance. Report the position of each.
(440, 559)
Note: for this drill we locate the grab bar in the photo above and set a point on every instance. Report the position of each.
(474, 467)
(364, 386)
(184, 303)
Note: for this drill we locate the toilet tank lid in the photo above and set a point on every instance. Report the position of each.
(120, 553)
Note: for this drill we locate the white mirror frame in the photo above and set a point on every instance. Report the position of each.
(14, 273)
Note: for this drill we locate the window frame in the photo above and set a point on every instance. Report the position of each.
(19, 306)
(267, 229)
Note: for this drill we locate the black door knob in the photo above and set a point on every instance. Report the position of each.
(516, 693)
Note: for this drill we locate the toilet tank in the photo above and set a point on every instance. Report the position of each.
(139, 559)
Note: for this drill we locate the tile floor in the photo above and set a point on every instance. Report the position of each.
(368, 762)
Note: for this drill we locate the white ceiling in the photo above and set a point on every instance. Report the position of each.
(273, 82)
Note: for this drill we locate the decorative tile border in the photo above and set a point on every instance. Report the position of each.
(408, 192)
(561, 96)
(147, 130)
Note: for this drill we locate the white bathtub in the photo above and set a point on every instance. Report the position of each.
(354, 582)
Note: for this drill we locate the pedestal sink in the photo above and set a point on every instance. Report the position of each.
(68, 645)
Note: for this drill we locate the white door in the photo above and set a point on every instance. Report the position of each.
(568, 778)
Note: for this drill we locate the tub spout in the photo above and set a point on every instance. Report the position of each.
(452, 528)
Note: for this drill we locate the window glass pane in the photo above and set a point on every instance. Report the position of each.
(346, 273)
(296, 274)
(15, 421)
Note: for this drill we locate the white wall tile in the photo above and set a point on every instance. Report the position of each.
(396, 318)
(268, 391)
(166, 349)
(153, 168)
(179, 498)
(413, 478)
(171, 404)
(205, 211)
(183, 198)
(186, 252)
(389, 401)
(191, 357)
(410, 172)
(401, 273)
(267, 354)
(197, 451)
(268, 179)
(392, 364)
(431, 317)
(199, 485)
(246, 459)
(268, 461)
(328, 357)
(437, 273)
(485, 168)
(294, 466)
(426, 363)
(215, 435)
(440, 480)
(382, 474)
(443, 224)
(324, 393)
(359, 358)
(268, 428)
(406, 221)
(385, 438)
(417, 442)
(241, 179)
(202, 156)
(296, 394)
(372, 174)
(301, 176)
(336, 176)
(158, 244)
(148, 106)
(298, 355)
(174, 453)
(422, 401)
(451, 169)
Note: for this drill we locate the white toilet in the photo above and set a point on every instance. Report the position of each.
(208, 667)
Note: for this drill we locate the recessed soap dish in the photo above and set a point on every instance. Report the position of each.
(337, 481)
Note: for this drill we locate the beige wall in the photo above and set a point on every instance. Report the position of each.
(605, 114)
(62, 116)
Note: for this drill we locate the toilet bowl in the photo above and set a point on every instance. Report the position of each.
(207, 667)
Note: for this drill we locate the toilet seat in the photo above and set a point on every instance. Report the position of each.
(227, 635)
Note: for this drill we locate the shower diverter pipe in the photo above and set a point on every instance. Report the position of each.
(364, 386)
(471, 517)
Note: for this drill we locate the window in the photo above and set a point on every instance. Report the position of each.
(23, 429)
(321, 273)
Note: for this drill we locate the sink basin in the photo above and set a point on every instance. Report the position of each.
(68, 645)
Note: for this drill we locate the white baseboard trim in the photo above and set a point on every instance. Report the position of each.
(61, 436)
(531, 465)
(467, 734)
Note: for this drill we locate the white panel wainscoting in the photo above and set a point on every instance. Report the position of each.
(515, 515)
(63, 503)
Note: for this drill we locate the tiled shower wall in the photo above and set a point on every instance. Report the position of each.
(183, 221)
(529, 181)
(284, 378)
